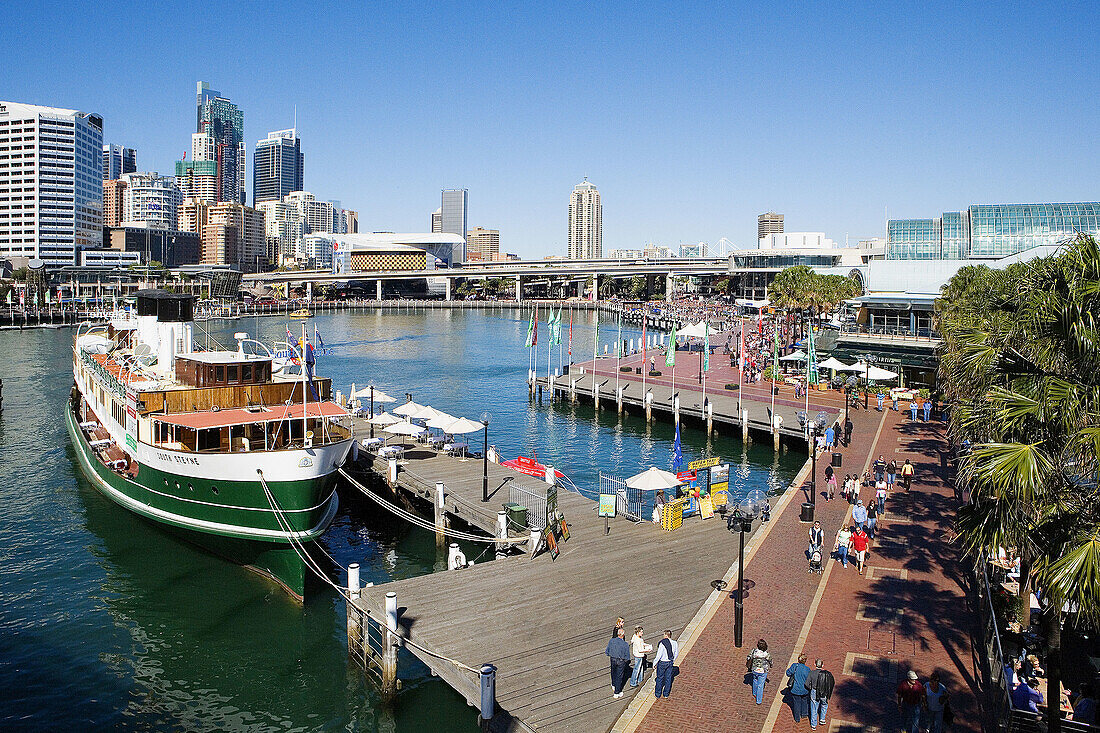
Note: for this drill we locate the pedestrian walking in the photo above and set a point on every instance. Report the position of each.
(859, 514)
(891, 475)
(830, 437)
(907, 471)
(879, 468)
(927, 410)
(817, 538)
(800, 695)
(638, 648)
(910, 698)
(913, 410)
(821, 684)
(848, 427)
(934, 696)
(859, 544)
(872, 519)
(880, 398)
(667, 649)
(619, 652)
(843, 542)
(880, 496)
(759, 663)
(894, 400)
(831, 485)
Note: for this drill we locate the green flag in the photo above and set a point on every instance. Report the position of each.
(775, 354)
(530, 331)
(670, 355)
(706, 347)
(811, 358)
(557, 328)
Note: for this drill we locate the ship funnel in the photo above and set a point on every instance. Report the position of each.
(164, 325)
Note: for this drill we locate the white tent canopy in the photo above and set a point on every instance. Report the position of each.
(695, 330)
(653, 479)
(795, 356)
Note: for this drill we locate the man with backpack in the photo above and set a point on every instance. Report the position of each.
(820, 683)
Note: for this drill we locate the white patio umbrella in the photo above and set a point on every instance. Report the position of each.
(461, 426)
(795, 356)
(832, 363)
(404, 428)
(874, 373)
(379, 395)
(384, 418)
(441, 420)
(857, 367)
(426, 413)
(653, 479)
(407, 409)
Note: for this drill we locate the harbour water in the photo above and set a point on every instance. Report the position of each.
(108, 622)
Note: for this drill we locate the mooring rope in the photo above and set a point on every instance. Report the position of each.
(409, 516)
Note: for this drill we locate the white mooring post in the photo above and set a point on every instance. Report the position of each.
(354, 617)
(393, 473)
(502, 533)
(744, 425)
(573, 390)
(676, 409)
(389, 653)
(710, 417)
(534, 542)
(619, 399)
(596, 394)
(649, 407)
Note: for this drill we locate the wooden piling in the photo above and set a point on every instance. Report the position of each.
(389, 652)
(440, 514)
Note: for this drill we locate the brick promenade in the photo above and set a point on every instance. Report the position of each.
(908, 611)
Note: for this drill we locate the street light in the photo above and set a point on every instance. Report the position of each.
(756, 503)
(813, 469)
(866, 377)
(485, 459)
(371, 410)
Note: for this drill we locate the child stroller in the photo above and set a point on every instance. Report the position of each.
(815, 559)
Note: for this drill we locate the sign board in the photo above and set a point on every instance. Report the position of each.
(551, 505)
(607, 505)
(685, 477)
(672, 515)
(552, 545)
(704, 463)
(706, 508)
(719, 484)
(564, 530)
(131, 419)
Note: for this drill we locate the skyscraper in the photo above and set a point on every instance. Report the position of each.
(482, 244)
(151, 199)
(437, 221)
(113, 209)
(769, 223)
(277, 166)
(454, 208)
(53, 188)
(585, 222)
(223, 121)
(117, 161)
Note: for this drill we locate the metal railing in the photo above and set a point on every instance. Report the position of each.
(922, 335)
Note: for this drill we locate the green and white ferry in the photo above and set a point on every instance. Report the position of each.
(237, 450)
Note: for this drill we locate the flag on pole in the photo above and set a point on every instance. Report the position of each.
(706, 348)
(571, 334)
(310, 360)
(775, 354)
(619, 337)
(670, 355)
(596, 337)
(811, 358)
(677, 452)
(530, 332)
(320, 341)
(557, 327)
(741, 352)
(644, 369)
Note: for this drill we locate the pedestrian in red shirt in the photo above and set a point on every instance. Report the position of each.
(910, 697)
(859, 544)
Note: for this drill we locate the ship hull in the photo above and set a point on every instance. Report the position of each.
(230, 518)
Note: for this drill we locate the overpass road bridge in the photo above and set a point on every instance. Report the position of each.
(566, 272)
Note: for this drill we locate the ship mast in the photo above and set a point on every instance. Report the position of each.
(305, 396)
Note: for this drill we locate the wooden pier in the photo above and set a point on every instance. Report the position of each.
(542, 622)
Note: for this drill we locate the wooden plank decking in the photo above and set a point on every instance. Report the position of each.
(545, 623)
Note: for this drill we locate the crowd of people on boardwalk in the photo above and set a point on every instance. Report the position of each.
(629, 660)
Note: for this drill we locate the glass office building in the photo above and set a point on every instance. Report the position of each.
(989, 231)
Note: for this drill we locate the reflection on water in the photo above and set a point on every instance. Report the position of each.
(111, 622)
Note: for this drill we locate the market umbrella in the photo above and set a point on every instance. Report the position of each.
(426, 413)
(384, 418)
(461, 426)
(795, 356)
(857, 367)
(653, 479)
(832, 363)
(441, 420)
(379, 395)
(874, 373)
(407, 409)
(405, 428)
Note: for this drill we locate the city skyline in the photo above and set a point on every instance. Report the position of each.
(864, 119)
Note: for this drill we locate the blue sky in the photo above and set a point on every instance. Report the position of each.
(690, 118)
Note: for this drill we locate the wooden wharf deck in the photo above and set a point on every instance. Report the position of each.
(724, 411)
(544, 623)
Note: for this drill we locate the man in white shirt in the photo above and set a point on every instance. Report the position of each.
(667, 650)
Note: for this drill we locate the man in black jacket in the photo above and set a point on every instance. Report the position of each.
(619, 651)
(820, 683)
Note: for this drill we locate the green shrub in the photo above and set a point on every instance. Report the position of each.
(654, 373)
(626, 369)
(733, 386)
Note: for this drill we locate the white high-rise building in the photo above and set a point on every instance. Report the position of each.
(585, 222)
(152, 199)
(454, 211)
(51, 186)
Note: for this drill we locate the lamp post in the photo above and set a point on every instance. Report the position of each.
(485, 459)
(741, 522)
(813, 463)
(866, 378)
(371, 410)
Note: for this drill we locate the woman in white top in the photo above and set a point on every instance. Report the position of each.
(843, 543)
(638, 649)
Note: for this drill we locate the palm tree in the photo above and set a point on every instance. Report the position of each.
(1020, 362)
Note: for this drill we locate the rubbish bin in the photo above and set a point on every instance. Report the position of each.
(637, 370)
(837, 459)
(517, 516)
(807, 514)
(565, 369)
